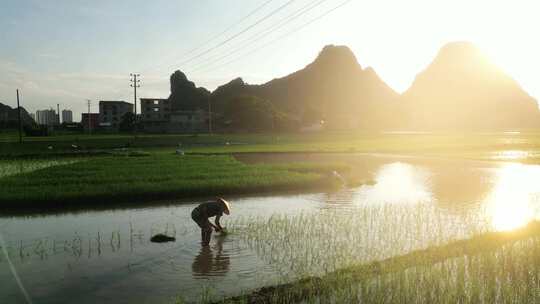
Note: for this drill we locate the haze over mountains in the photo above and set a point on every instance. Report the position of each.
(459, 90)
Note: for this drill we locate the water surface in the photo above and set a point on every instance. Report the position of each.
(106, 256)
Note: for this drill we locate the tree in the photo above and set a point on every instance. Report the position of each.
(250, 113)
(311, 116)
(127, 123)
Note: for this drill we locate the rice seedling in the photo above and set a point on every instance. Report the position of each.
(20, 166)
(509, 274)
(496, 267)
(315, 243)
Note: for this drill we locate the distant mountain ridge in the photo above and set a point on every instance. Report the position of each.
(334, 84)
(460, 89)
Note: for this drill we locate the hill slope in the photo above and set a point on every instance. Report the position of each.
(462, 89)
(334, 85)
(9, 117)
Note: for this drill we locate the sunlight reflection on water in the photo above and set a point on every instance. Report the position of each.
(398, 183)
(513, 201)
(507, 195)
(510, 155)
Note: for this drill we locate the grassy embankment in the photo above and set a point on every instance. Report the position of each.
(494, 267)
(108, 180)
(467, 145)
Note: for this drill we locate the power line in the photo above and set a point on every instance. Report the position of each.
(283, 22)
(262, 34)
(253, 12)
(226, 30)
(273, 27)
(230, 27)
(275, 11)
(280, 37)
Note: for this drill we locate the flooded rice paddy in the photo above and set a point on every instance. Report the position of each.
(413, 203)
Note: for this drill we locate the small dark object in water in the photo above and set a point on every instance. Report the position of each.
(162, 238)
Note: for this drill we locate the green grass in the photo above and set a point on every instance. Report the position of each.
(9, 135)
(318, 242)
(142, 177)
(467, 145)
(494, 267)
(392, 254)
(19, 166)
(378, 142)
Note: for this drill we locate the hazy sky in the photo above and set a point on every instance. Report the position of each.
(67, 51)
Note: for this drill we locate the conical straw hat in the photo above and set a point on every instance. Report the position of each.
(227, 209)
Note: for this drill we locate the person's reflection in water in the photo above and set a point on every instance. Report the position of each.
(211, 261)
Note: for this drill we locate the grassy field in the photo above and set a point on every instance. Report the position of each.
(470, 145)
(19, 166)
(139, 177)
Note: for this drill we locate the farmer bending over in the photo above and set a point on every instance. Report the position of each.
(204, 211)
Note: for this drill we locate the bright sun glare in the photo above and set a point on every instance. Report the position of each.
(510, 204)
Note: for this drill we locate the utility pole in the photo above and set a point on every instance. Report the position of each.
(19, 114)
(89, 120)
(135, 83)
(209, 116)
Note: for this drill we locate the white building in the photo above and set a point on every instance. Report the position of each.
(46, 117)
(155, 109)
(67, 116)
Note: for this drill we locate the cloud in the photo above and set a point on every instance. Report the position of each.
(48, 56)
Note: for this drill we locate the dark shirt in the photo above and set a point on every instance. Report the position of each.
(209, 209)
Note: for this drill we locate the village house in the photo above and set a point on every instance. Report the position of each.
(111, 113)
(157, 117)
